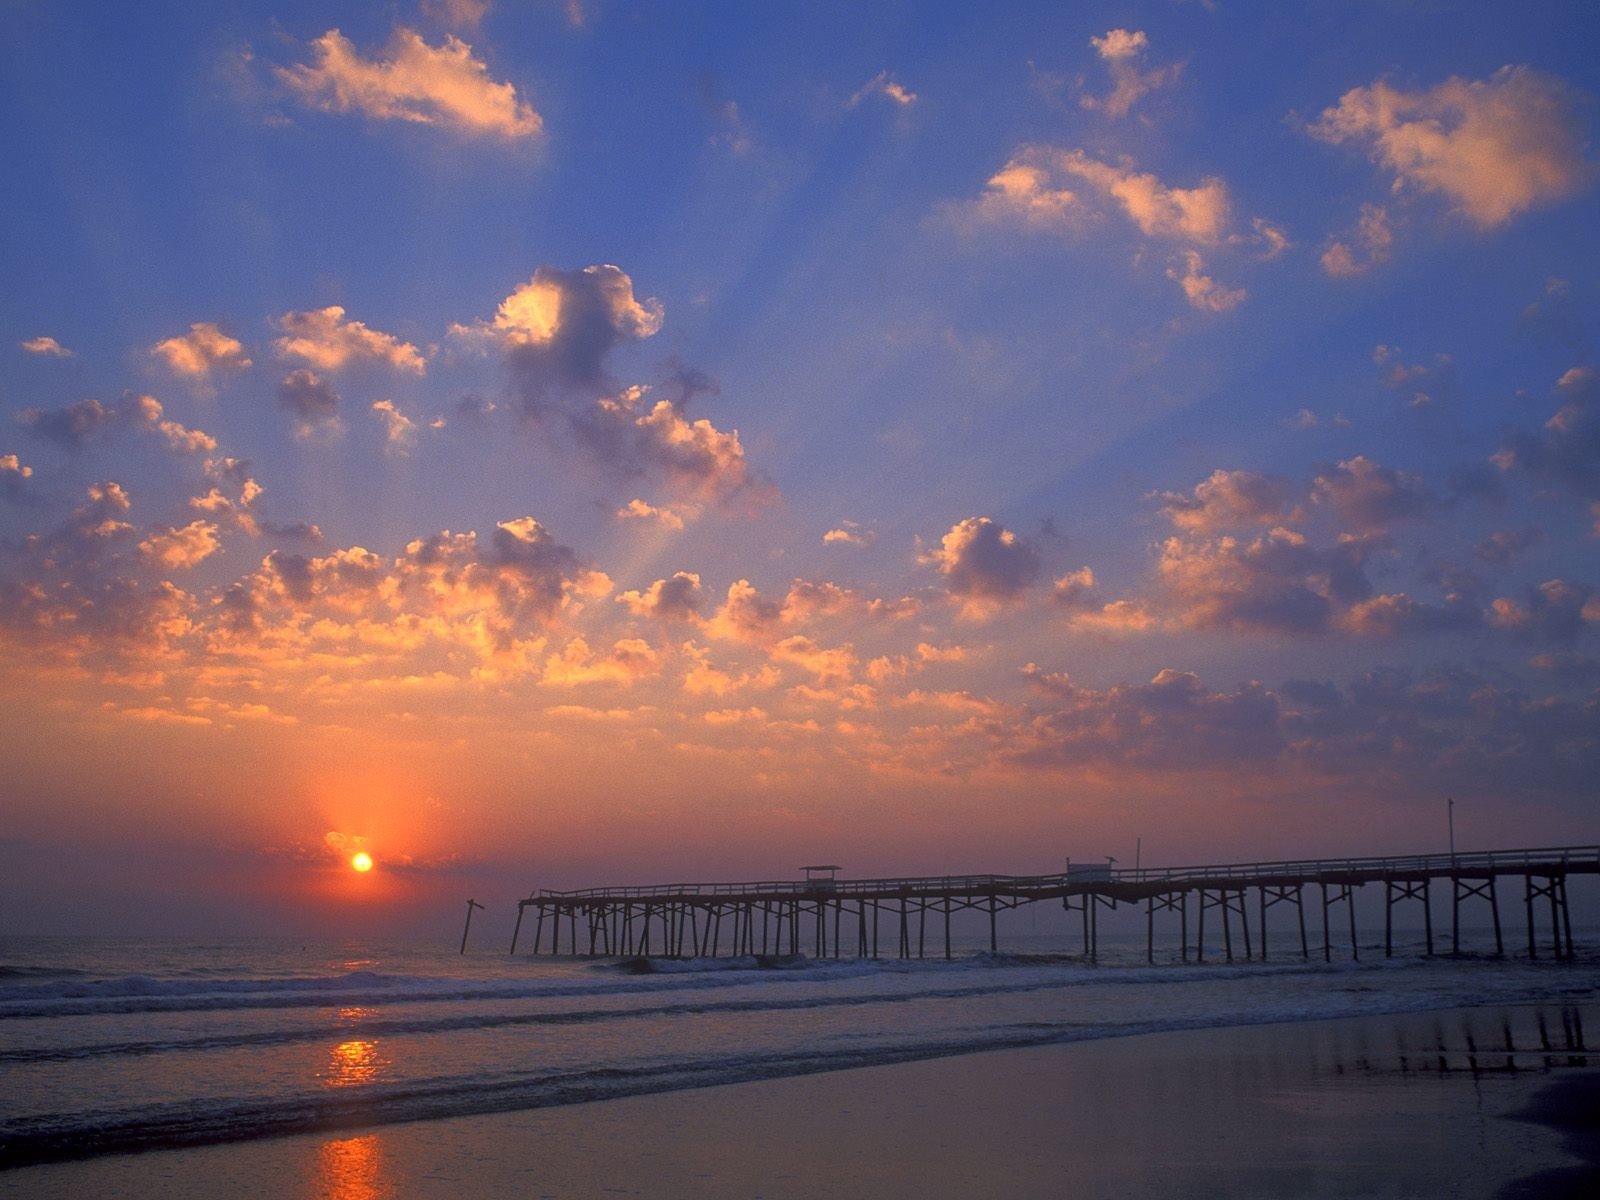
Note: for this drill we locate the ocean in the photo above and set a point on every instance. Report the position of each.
(115, 1045)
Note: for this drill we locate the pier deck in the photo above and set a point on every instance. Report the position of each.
(832, 917)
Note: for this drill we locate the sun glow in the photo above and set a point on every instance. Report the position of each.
(362, 862)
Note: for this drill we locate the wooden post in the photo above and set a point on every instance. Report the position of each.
(1527, 887)
(1244, 924)
(1455, 915)
(1494, 907)
(994, 936)
(1150, 930)
(472, 904)
(515, 929)
(1183, 921)
(947, 954)
(1350, 904)
(1388, 918)
(1200, 932)
(1566, 916)
(1427, 913)
(1227, 925)
(1263, 924)
(1327, 933)
(1555, 917)
(1300, 907)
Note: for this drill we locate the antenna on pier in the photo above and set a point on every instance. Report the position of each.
(471, 904)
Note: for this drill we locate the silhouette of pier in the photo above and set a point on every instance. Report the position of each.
(826, 916)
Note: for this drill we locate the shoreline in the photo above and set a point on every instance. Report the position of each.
(1242, 1110)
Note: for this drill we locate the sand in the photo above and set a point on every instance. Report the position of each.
(1415, 1106)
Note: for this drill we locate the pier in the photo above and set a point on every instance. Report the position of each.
(828, 917)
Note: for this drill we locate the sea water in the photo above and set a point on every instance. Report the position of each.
(111, 1045)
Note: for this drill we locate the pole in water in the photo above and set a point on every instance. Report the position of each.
(471, 904)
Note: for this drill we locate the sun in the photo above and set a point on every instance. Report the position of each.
(362, 862)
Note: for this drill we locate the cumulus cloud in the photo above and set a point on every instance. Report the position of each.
(325, 340)
(1067, 191)
(668, 517)
(46, 346)
(557, 333)
(849, 533)
(985, 566)
(1228, 499)
(629, 659)
(1277, 582)
(1364, 248)
(442, 86)
(1504, 546)
(399, 430)
(559, 328)
(680, 598)
(1123, 53)
(77, 422)
(1555, 611)
(204, 349)
(13, 474)
(1369, 497)
(179, 549)
(1567, 450)
(1201, 290)
(311, 399)
(1494, 147)
(883, 84)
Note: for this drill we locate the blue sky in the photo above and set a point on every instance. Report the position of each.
(987, 293)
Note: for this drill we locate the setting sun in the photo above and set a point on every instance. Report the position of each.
(362, 861)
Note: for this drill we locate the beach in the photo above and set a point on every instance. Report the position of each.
(1405, 1105)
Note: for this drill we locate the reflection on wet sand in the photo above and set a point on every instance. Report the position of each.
(351, 1169)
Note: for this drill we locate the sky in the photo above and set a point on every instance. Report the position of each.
(550, 444)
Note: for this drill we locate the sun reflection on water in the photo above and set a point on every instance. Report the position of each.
(351, 1169)
(354, 1063)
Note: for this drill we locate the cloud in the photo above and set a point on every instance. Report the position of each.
(640, 510)
(399, 430)
(13, 475)
(1227, 499)
(1555, 611)
(457, 14)
(1277, 582)
(883, 84)
(1046, 185)
(559, 328)
(323, 338)
(1494, 147)
(311, 399)
(680, 598)
(1201, 290)
(1368, 246)
(204, 349)
(75, 424)
(1123, 53)
(46, 346)
(1503, 546)
(443, 86)
(1369, 497)
(1066, 192)
(986, 567)
(1567, 450)
(630, 659)
(849, 533)
(181, 549)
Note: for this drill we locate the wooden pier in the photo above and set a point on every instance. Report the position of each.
(828, 917)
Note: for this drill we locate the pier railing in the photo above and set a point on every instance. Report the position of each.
(1094, 875)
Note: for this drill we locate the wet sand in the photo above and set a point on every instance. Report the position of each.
(1423, 1105)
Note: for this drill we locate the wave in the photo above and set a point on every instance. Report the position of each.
(64, 1136)
(147, 994)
